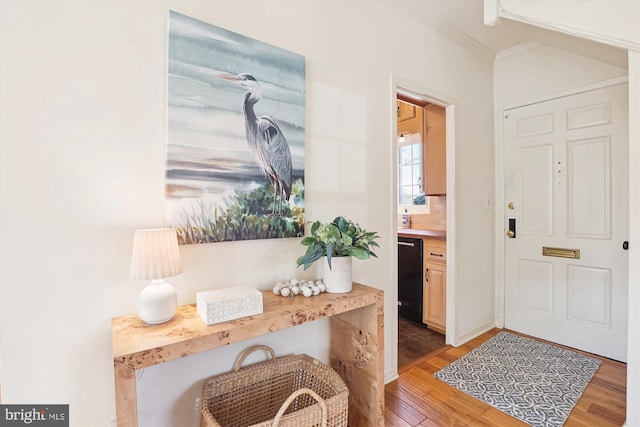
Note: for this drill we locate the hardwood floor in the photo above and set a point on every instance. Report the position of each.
(418, 399)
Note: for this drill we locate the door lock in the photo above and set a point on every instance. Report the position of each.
(512, 228)
(511, 205)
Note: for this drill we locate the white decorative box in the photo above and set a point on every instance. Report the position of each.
(225, 304)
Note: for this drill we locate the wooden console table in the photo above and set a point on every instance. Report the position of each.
(357, 344)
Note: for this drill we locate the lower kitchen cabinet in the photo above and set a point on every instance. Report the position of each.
(435, 285)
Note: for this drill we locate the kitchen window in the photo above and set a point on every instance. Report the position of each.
(410, 167)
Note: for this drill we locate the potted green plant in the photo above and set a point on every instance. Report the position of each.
(336, 242)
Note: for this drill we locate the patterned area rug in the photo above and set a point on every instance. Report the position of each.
(529, 380)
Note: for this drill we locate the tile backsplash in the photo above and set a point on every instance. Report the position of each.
(436, 219)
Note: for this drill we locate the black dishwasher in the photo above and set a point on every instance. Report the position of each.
(410, 279)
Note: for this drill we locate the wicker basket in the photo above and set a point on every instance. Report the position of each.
(295, 390)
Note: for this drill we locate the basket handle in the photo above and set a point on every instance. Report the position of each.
(250, 350)
(300, 391)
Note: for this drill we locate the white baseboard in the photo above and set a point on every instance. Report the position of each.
(463, 337)
(390, 375)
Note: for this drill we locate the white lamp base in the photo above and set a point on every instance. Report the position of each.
(157, 302)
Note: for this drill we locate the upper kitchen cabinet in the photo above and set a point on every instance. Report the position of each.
(435, 149)
(410, 119)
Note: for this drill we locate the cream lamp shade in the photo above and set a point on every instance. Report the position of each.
(155, 256)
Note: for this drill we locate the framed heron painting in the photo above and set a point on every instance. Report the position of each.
(235, 136)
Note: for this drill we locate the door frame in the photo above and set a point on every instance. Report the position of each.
(449, 103)
(500, 228)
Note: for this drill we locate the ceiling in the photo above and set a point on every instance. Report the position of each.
(465, 19)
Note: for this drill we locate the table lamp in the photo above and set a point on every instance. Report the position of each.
(156, 256)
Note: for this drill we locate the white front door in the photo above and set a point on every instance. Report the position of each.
(566, 180)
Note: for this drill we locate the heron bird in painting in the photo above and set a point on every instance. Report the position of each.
(266, 141)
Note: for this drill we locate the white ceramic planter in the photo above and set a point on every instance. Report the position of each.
(337, 279)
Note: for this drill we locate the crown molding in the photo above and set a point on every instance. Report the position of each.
(515, 51)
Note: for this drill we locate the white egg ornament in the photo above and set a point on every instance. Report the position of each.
(285, 292)
(307, 292)
(295, 289)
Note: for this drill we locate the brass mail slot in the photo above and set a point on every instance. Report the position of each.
(561, 252)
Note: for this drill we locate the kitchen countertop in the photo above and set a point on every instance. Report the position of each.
(414, 232)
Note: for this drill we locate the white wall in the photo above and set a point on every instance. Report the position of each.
(534, 70)
(82, 150)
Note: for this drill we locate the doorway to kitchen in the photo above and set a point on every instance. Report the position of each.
(421, 199)
(415, 342)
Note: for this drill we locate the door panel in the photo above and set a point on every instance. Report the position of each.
(536, 190)
(591, 115)
(589, 188)
(533, 126)
(566, 176)
(589, 295)
(536, 285)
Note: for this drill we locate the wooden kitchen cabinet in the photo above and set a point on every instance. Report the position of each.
(405, 111)
(435, 151)
(435, 285)
(410, 119)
